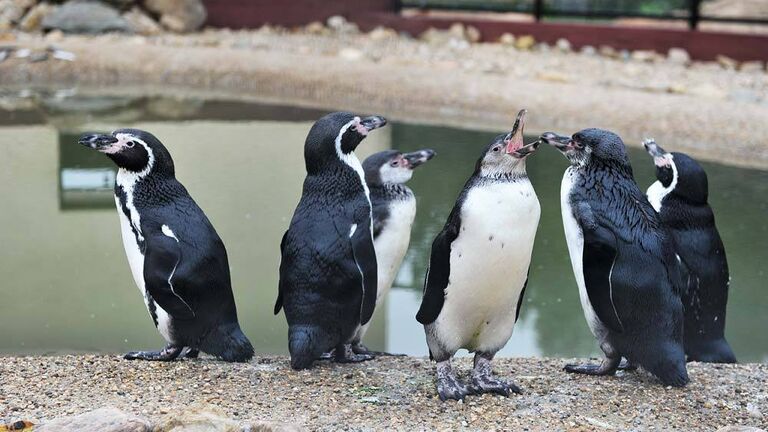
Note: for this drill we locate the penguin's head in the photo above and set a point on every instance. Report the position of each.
(506, 154)
(393, 167)
(336, 136)
(679, 172)
(134, 150)
(589, 145)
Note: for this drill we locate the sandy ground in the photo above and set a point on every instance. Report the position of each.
(709, 110)
(391, 393)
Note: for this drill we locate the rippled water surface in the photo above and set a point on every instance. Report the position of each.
(65, 284)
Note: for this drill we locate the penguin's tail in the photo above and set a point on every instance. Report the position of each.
(714, 351)
(305, 344)
(228, 343)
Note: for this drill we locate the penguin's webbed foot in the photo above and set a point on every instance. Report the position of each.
(345, 354)
(448, 386)
(330, 355)
(627, 366)
(190, 353)
(606, 367)
(362, 349)
(169, 353)
(483, 380)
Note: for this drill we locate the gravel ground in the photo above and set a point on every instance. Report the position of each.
(392, 393)
(445, 79)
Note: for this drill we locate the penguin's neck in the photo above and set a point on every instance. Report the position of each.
(389, 192)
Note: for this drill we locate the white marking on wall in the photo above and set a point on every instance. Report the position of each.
(656, 192)
(352, 230)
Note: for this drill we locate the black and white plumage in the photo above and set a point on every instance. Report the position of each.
(623, 259)
(177, 259)
(328, 269)
(478, 268)
(680, 197)
(394, 209)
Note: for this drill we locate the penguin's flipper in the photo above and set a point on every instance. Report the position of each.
(365, 258)
(438, 273)
(520, 300)
(162, 258)
(279, 301)
(598, 258)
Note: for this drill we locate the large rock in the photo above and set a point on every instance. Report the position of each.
(85, 16)
(33, 20)
(178, 15)
(141, 23)
(102, 420)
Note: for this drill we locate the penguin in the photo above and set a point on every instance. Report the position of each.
(680, 197)
(328, 272)
(478, 267)
(622, 258)
(394, 209)
(177, 259)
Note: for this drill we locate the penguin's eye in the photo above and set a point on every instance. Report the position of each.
(130, 144)
(394, 163)
(497, 148)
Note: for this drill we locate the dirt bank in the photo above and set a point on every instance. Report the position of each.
(696, 108)
(385, 393)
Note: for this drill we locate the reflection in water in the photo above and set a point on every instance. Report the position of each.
(66, 284)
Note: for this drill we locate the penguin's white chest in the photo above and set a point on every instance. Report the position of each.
(392, 244)
(489, 265)
(575, 239)
(136, 263)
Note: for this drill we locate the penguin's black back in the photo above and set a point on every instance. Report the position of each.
(202, 277)
(691, 222)
(320, 283)
(625, 241)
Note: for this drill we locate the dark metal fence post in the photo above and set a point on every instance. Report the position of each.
(538, 9)
(694, 14)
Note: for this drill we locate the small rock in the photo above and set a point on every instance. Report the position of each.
(141, 23)
(33, 20)
(197, 420)
(563, 45)
(472, 34)
(85, 16)
(54, 36)
(339, 24)
(38, 56)
(351, 54)
(381, 33)
(644, 56)
(739, 428)
(752, 66)
(180, 16)
(102, 420)
(264, 426)
(507, 39)
(10, 11)
(753, 411)
(552, 76)
(525, 42)
(457, 30)
(316, 28)
(726, 62)
(678, 56)
(608, 51)
(588, 50)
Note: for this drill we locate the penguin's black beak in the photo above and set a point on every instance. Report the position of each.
(660, 157)
(560, 142)
(417, 158)
(97, 141)
(652, 148)
(373, 122)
